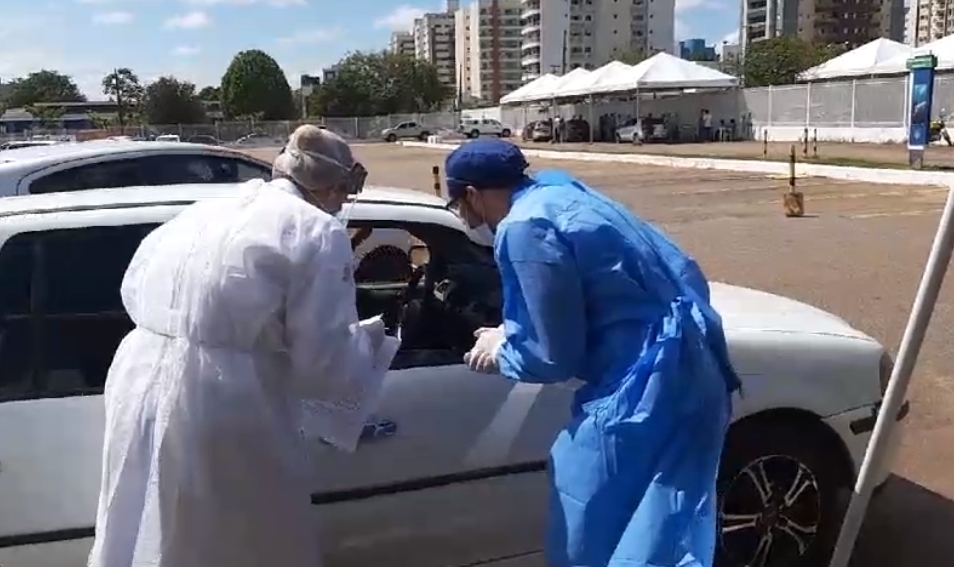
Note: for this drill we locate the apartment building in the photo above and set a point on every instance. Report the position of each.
(434, 38)
(559, 36)
(933, 19)
(843, 22)
(402, 43)
(488, 49)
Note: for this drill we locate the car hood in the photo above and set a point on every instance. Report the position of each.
(745, 309)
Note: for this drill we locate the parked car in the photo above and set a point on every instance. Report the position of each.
(15, 145)
(259, 140)
(444, 475)
(204, 139)
(117, 163)
(526, 133)
(406, 130)
(168, 138)
(630, 131)
(477, 127)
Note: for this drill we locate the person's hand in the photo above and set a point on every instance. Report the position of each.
(483, 356)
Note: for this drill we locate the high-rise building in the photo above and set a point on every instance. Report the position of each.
(402, 43)
(696, 50)
(842, 22)
(559, 36)
(933, 19)
(488, 48)
(434, 38)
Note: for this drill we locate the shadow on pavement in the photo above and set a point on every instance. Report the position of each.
(907, 525)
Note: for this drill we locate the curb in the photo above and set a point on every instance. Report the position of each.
(844, 173)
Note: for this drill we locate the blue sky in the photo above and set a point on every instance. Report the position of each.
(195, 39)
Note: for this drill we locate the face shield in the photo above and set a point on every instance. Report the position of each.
(344, 190)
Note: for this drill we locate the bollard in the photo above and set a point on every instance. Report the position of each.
(805, 143)
(765, 143)
(436, 172)
(815, 143)
(793, 201)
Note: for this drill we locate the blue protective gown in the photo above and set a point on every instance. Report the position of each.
(592, 292)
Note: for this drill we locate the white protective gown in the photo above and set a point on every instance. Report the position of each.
(243, 308)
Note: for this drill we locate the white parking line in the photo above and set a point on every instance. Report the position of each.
(911, 213)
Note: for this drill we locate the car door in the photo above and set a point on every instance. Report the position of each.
(60, 325)
(450, 470)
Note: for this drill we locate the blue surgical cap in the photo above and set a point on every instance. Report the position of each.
(484, 164)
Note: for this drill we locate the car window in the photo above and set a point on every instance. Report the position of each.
(76, 319)
(103, 175)
(16, 344)
(178, 169)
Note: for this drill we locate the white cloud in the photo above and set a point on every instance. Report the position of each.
(730, 38)
(319, 35)
(186, 50)
(190, 21)
(401, 19)
(275, 3)
(113, 18)
(683, 6)
(680, 29)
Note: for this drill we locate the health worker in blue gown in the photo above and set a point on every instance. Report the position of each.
(594, 293)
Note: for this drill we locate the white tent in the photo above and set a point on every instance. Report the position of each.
(604, 74)
(942, 48)
(860, 61)
(519, 95)
(555, 89)
(664, 71)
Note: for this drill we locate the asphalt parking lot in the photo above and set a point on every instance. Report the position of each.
(859, 253)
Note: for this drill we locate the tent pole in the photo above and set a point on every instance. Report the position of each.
(895, 394)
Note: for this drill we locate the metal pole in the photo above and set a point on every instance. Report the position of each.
(895, 394)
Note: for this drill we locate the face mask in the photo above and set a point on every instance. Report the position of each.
(344, 215)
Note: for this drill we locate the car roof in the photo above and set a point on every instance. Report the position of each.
(93, 148)
(375, 203)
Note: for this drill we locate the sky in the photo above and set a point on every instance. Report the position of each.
(194, 40)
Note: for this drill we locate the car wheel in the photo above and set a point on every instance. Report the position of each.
(424, 135)
(619, 140)
(505, 133)
(779, 486)
(390, 138)
(475, 134)
(386, 263)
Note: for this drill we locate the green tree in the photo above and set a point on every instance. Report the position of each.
(255, 84)
(48, 116)
(374, 83)
(171, 101)
(632, 57)
(123, 87)
(43, 86)
(778, 61)
(210, 94)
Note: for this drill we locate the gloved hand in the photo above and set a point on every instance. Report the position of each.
(483, 356)
(375, 329)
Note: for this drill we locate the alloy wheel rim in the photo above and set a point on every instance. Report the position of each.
(769, 514)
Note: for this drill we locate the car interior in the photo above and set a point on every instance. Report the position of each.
(436, 296)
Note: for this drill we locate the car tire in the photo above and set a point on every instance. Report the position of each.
(798, 501)
(505, 133)
(474, 134)
(619, 140)
(391, 138)
(424, 135)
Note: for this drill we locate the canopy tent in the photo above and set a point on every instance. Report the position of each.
(942, 48)
(606, 73)
(664, 71)
(520, 94)
(555, 89)
(860, 61)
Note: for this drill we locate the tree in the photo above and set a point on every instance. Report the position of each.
(43, 86)
(47, 116)
(171, 101)
(368, 84)
(255, 84)
(632, 57)
(210, 94)
(779, 60)
(123, 87)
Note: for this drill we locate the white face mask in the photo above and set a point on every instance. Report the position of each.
(344, 214)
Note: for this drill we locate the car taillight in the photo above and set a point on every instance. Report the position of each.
(886, 367)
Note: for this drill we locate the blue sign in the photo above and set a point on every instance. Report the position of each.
(922, 95)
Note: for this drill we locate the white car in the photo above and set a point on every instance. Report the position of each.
(451, 470)
(477, 127)
(630, 131)
(168, 138)
(406, 130)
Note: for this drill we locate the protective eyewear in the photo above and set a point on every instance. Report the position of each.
(355, 177)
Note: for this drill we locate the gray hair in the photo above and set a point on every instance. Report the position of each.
(314, 158)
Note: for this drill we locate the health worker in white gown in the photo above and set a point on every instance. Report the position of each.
(245, 315)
